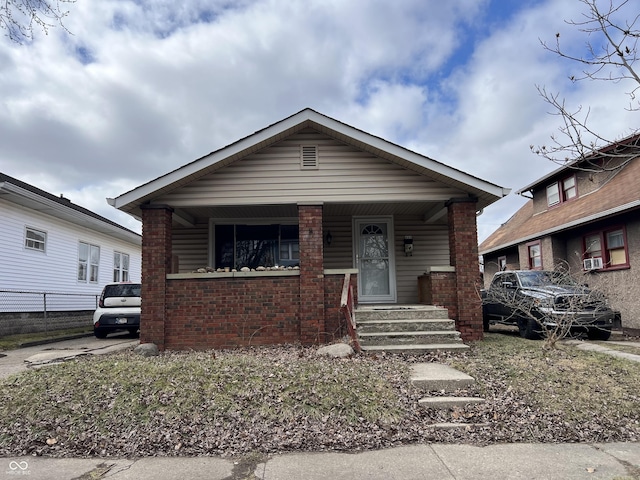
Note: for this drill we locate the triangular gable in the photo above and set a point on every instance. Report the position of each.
(486, 192)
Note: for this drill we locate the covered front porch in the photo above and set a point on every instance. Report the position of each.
(227, 276)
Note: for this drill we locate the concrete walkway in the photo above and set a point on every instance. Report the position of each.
(436, 461)
(16, 361)
(596, 347)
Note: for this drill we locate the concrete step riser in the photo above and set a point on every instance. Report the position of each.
(434, 314)
(423, 339)
(406, 326)
(443, 403)
(416, 349)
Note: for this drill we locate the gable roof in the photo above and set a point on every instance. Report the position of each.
(611, 151)
(486, 192)
(620, 194)
(31, 197)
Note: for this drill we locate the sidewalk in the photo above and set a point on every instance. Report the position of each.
(436, 461)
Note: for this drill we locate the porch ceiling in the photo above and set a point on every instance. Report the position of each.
(430, 210)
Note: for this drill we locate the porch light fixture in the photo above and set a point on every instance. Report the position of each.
(328, 237)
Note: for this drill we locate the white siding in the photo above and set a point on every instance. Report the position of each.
(55, 270)
(274, 176)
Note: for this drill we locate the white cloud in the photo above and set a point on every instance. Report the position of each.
(141, 88)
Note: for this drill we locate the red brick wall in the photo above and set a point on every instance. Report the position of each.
(156, 263)
(312, 328)
(463, 251)
(230, 312)
(443, 291)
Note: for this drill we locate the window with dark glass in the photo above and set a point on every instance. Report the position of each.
(252, 246)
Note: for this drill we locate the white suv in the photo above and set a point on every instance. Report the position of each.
(118, 309)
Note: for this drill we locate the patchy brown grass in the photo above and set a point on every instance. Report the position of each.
(266, 400)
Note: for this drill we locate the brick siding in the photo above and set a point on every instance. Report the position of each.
(463, 251)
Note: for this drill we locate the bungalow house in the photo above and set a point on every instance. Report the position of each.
(56, 256)
(253, 243)
(585, 215)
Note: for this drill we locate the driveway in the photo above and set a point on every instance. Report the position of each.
(15, 361)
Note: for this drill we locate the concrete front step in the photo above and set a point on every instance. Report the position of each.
(397, 312)
(436, 376)
(448, 402)
(416, 349)
(408, 338)
(406, 325)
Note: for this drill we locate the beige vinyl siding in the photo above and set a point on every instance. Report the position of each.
(191, 246)
(274, 176)
(430, 248)
(430, 244)
(340, 253)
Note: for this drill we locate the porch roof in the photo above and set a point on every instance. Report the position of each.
(486, 192)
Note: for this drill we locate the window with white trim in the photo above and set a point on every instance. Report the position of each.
(562, 191)
(610, 246)
(88, 262)
(35, 239)
(120, 267)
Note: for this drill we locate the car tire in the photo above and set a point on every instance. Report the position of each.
(133, 331)
(100, 332)
(598, 334)
(529, 329)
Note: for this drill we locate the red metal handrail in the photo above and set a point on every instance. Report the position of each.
(347, 308)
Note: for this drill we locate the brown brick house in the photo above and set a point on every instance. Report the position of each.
(252, 243)
(587, 216)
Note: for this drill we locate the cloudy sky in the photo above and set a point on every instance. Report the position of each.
(138, 88)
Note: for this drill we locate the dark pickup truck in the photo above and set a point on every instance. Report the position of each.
(532, 298)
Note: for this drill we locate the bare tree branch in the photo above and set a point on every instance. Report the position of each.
(20, 17)
(611, 55)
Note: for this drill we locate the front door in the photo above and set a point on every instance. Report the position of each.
(374, 260)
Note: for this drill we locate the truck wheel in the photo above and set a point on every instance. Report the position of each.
(485, 321)
(598, 334)
(529, 329)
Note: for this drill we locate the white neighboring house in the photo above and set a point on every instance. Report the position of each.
(55, 258)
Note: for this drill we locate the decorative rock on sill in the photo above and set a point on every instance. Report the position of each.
(275, 268)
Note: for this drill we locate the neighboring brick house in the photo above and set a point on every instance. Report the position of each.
(322, 201)
(587, 217)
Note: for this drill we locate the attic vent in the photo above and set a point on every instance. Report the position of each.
(309, 157)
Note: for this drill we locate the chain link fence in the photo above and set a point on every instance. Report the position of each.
(30, 312)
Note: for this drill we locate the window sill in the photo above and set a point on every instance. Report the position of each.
(265, 273)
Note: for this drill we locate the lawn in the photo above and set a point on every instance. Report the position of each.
(269, 400)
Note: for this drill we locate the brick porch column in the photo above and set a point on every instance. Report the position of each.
(156, 263)
(312, 328)
(463, 251)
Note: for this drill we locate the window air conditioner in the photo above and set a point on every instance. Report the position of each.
(592, 263)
